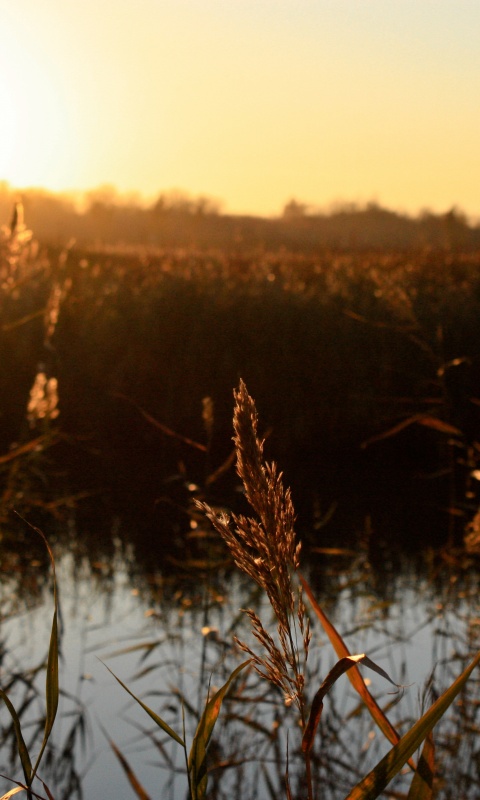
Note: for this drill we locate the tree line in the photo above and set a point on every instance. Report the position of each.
(102, 217)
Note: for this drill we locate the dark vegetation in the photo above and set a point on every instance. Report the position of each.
(364, 363)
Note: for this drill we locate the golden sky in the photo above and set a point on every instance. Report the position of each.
(252, 102)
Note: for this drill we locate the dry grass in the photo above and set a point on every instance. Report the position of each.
(266, 550)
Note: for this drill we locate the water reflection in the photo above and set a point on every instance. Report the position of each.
(168, 633)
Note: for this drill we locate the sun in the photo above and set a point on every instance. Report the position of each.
(34, 138)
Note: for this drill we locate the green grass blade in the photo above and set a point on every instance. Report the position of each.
(158, 720)
(197, 762)
(375, 782)
(22, 747)
(52, 688)
(421, 787)
(51, 685)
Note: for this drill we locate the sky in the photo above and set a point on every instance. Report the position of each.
(249, 102)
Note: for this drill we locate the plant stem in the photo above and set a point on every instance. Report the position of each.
(308, 775)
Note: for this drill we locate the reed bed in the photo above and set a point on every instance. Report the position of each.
(341, 349)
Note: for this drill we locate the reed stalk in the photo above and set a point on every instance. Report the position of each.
(265, 548)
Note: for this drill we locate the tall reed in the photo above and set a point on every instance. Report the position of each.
(266, 550)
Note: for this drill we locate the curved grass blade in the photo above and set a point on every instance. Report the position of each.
(158, 720)
(375, 782)
(20, 787)
(197, 761)
(339, 669)
(16, 790)
(22, 747)
(353, 675)
(440, 425)
(421, 787)
(421, 419)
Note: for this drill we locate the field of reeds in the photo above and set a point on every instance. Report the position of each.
(116, 386)
(361, 360)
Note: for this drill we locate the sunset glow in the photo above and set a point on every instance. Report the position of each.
(251, 102)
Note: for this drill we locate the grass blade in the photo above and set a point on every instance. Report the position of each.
(421, 419)
(10, 793)
(353, 674)
(375, 782)
(49, 794)
(33, 444)
(20, 787)
(197, 765)
(421, 787)
(339, 669)
(160, 425)
(132, 778)
(158, 720)
(51, 686)
(22, 747)
(440, 425)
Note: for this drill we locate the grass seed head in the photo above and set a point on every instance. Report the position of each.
(264, 547)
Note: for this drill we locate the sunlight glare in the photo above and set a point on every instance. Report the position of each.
(34, 140)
